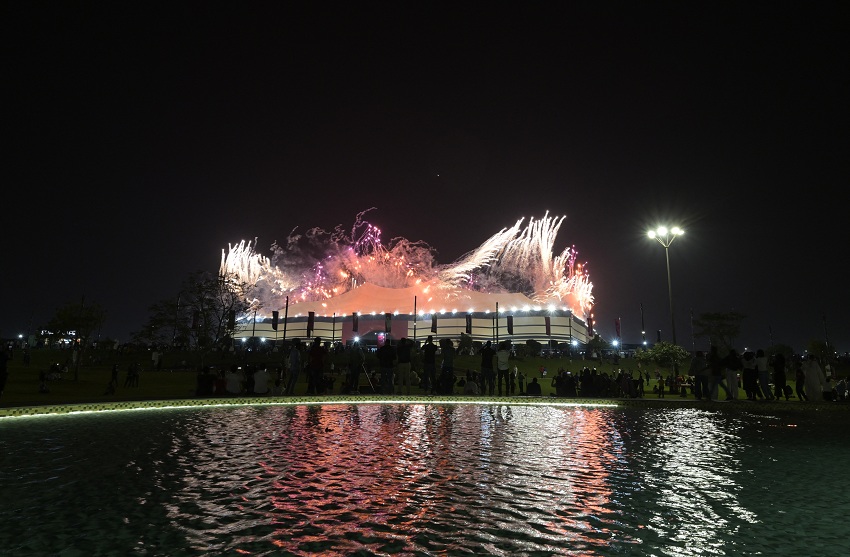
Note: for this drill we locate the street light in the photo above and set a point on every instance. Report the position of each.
(665, 237)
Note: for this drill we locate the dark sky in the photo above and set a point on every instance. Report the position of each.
(143, 139)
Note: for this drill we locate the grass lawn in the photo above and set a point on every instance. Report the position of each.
(177, 378)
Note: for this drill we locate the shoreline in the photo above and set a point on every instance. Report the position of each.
(666, 402)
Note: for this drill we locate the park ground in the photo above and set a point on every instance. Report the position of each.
(177, 376)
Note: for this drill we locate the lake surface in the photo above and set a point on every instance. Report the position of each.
(425, 479)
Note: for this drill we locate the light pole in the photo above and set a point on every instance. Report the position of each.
(665, 237)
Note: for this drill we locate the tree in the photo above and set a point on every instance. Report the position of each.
(465, 344)
(597, 345)
(533, 347)
(721, 329)
(77, 321)
(664, 354)
(203, 315)
(820, 349)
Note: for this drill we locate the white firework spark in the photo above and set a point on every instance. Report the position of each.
(319, 265)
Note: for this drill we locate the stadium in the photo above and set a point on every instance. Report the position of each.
(339, 286)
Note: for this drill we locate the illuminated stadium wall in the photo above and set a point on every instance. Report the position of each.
(527, 325)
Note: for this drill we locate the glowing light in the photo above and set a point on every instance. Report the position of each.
(317, 265)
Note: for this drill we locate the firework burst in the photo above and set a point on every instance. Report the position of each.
(319, 265)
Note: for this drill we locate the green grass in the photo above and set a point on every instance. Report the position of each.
(177, 379)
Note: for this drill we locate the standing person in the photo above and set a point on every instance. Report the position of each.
(135, 374)
(814, 378)
(429, 365)
(800, 382)
(5, 356)
(113, 381)
(750, 375)
(733, 366)
(315, 366)
(763, 370)
(260, 382)
(699, 371)
(404, 352)
(356, 357)
(779, 381)
(503, 355)
(488, 376)
(386, 362)
(233, 381)
(294, 366)
(447, 367)
(248, 372)
(279, 380)
(716, 366)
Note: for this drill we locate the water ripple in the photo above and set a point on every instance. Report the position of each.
(417, 480)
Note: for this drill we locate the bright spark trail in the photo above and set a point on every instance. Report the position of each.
(319, 265)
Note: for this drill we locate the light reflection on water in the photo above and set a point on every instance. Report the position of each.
(422, 479)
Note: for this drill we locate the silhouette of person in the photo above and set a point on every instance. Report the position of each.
(294, 366)
(5, 356)
(315, 366)
(533, 388)
(429, 365)
(814, 378)
(503, 355)
(488, 376)
(404, 354)
(386, 361)
(779, 381)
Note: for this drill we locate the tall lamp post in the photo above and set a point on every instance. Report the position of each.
(665, 237)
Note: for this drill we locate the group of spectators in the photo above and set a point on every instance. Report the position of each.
(760, 376)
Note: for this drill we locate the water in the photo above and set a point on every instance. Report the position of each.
(422, 479)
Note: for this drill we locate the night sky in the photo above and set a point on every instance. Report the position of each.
(143, 139)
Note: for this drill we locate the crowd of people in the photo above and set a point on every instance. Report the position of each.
(402, 368)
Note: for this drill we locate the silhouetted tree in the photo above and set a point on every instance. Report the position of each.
(721, 329)
(77, 322)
